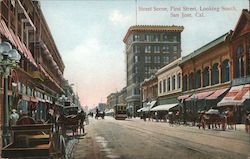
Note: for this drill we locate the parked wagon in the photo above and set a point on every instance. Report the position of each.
(31, 140)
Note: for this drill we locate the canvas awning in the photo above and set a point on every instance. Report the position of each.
(200, 96)
(151, 104)
(236, 96)
(164, 107)
(183, 97)
(216, 94)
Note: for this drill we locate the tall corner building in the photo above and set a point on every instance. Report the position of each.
(148, 48)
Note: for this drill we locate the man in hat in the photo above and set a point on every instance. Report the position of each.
(13, 117)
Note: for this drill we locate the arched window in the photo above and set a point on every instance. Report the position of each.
(225, 71)
(190, 81)
(185, 83)
(239, 62)
(198, 79)
(178, 81)
(215, 74)
(173, 82)
(206, 77)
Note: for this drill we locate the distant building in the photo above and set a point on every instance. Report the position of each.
(148, 48)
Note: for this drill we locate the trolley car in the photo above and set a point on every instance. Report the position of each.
(120, 112)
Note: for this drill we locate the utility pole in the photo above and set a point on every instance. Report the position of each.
(136, 12)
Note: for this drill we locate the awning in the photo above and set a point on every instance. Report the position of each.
(236, 96)
(165, 107)
(144, 109)
(183, 97)
(216, 94)
(151, 104)
(200, 96)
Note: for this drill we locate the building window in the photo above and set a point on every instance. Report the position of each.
(185, 83)
(225, 71)
(165, 49)
(190, 81)
(174, 38)
(206, 77)
(136, 59)
(160, 88)
(165, 37)
(136, 69)
(136, 49)
(157, 59)
(157, 37)
(174, 48)
(173, 82)
(169, 84)
(147, 37)
(164, 85)
(147, 71)
(198, 79)
(23, 89)
(136, 37)
(147, 59)
(215, 74)
(179, 81)
(165, 59)
(157, 49)
(239, 63)
(147, 49)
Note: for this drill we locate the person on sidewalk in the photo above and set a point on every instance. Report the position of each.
(247, 124)
(13, 117)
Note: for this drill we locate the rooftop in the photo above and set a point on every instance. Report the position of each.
(153, 28)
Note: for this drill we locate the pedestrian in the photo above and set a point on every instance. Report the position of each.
(247, 124)
(14, 117)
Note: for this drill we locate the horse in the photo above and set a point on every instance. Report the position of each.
(214, 120)
(231, 122)
(98, 114)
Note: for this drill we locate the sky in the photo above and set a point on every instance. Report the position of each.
(89, 35)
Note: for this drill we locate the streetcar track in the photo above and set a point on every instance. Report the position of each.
(174, 140)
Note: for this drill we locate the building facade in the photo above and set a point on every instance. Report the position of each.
(37, 83)
(147, 49)
(149, 90)
(169, 83)
(217, 74)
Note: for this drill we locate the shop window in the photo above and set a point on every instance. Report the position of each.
(225, 71)
(215, 74)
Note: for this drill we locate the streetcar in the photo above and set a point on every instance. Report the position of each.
(120, 112)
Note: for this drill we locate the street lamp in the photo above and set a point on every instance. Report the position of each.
(9, 58)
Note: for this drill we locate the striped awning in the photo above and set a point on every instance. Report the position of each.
(216, 94)
(164, 107)
(236, 96)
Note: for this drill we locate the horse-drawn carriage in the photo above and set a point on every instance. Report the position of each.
(212, 119)
(71, 119)
(100, 114)
(33, 140)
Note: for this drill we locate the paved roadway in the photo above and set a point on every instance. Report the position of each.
(136, 139)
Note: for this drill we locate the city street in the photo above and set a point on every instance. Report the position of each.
(134, 139)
